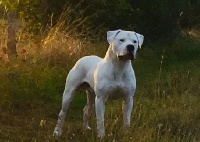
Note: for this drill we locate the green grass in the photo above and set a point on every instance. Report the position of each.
(166, 103)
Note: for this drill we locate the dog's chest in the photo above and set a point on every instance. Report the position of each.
(116, 90)
(117, 87)
(115, 81)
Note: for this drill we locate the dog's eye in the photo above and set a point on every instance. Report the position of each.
(134, 41)
(122, 40)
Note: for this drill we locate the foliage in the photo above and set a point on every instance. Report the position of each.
(154, 18)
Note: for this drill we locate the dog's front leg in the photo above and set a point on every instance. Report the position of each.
(100, 109)
(127, 109)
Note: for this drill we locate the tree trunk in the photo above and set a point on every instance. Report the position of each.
(12, 28)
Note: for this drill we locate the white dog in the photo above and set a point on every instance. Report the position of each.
(112, 76)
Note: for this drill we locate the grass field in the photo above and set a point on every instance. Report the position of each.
(166, 103)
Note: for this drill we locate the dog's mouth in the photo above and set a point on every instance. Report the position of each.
(128, 56)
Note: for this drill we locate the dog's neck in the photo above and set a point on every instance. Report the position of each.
(116, 65)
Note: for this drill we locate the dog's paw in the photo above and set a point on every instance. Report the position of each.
(57, 132)
(100, 134)
(86, 126)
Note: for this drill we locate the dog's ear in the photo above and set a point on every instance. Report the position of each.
(111, 35)
(140, 39)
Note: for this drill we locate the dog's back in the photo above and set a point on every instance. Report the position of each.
(87, 63)
(83, 71)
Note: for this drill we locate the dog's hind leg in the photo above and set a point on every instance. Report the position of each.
(67, 97)
(89, 107)
(72, 83)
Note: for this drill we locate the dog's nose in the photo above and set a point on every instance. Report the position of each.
(130, 48)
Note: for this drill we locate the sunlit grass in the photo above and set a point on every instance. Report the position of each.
(31, 94)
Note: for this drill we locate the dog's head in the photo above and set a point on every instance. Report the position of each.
(125, 43)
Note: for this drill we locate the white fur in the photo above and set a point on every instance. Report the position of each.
(107, 77)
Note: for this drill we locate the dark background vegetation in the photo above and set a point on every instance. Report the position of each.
(154, 18)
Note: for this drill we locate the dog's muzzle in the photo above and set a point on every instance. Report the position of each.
(126, 57)
(129, 56)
